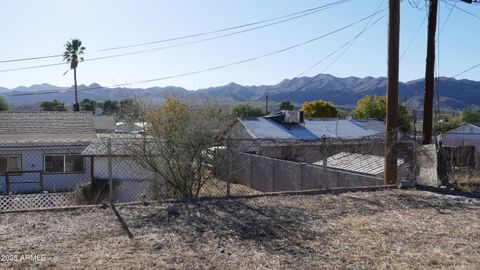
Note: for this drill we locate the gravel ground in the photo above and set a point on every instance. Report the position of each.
(394, 229)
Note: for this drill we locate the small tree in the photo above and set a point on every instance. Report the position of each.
(130, 109)
(110, 107)
(3, 104)
(88, 105)
(470, 116)
(319, 108)
(173, 146)
(286, 105)
(246, 110)
(54, 105)
(375, 107)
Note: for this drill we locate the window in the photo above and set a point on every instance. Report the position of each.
(10, 163)
(63, 163)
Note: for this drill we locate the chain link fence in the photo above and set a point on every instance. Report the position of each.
(459, 161)
(122, 168)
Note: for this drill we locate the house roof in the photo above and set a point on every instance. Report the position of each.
(104, 123)
(358, 163)
(37, 128)
(312, 129)
(456, 130)
(121, 145)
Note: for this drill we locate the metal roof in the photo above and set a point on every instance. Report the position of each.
(121, 145)
(312, 129)
(358, 163)
(38, 128)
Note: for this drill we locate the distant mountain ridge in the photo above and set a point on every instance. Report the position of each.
(454, 94)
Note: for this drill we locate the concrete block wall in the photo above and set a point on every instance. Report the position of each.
(268, 174)
(286, 175)
(262, 173)
(240, 169)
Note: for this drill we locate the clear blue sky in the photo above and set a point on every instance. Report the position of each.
(36, 28)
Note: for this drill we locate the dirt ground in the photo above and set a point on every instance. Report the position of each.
(394, 229)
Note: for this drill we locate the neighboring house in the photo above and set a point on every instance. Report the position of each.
(124, 165)
(135, 127)
(104, 124)
(369, 165)
(281, 137)
(467, 134)
(41, 151)
(131, 181)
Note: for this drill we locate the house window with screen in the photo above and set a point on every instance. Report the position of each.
(64, 163)
(10, 164)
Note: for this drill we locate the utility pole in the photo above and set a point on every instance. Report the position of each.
(429, 73)
(266, 104)
(390, 175)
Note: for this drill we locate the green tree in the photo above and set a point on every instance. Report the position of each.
(319, 109)
(246, 110)
(470, 116)
(444, 122)
(3, 104)
(286, 105)
(375, 107)
(88, 105)
(110, 107)
(130, 109)
(54, 105)
(74, 49)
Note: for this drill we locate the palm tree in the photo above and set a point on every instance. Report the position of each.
(73, 49)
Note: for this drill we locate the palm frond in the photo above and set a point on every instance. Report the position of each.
(72, 47)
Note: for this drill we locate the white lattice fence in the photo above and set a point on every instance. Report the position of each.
(36, 201)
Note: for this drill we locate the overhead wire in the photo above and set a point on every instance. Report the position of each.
(309, 11)
(351, 41)
(289, 17)
(225, 65)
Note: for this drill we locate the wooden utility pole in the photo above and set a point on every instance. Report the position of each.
(266, 104)
(429, 73)
(390, 175)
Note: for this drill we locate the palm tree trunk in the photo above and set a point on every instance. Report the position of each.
(76, 106)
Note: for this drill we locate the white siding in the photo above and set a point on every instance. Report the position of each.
(123, 168)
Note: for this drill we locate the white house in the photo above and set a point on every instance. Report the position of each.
(124, 165)
(467, 134)
(131, 181)
(42, 151)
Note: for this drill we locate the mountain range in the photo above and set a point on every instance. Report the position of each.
(344, 92)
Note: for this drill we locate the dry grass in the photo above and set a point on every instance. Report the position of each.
(366, 230)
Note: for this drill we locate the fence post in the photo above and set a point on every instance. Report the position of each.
(302, 166)
(42, 188)
(324, 163)
(110, 180)
(251, 170)
(228, 166)
(273, 175)
(7, 183)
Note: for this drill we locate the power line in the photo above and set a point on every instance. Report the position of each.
(30, 58)
(296, 15)
(463, 10)
(350, 42)
(175, 45)
(448, 17)
(355, 38)
(221, 66)
(467, 70)
(309, 11)
(414, 36)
